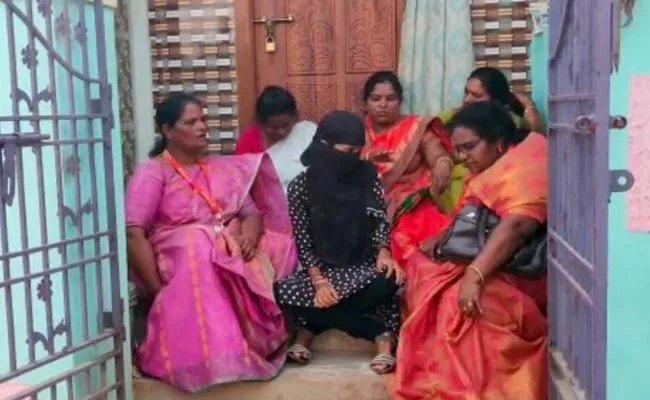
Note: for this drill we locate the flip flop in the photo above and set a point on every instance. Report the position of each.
(299, 353)
(383, 364)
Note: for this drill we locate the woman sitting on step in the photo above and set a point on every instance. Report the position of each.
(342, 233)
(478, 330)
(207, 236)
(279, 132)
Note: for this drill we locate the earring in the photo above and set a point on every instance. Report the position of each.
(500, 149)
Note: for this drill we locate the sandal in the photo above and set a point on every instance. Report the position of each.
(383, 364)
(299, 353)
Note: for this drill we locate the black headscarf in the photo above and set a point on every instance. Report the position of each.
(340, 191)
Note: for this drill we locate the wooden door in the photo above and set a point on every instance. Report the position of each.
(580, 182)
(323, 57)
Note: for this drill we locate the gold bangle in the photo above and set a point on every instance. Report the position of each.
(447, 159)
(478, 272)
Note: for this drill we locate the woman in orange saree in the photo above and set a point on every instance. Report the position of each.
(476, 332)
(411, 157)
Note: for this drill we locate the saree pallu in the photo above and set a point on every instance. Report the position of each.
(502, 353)
(285, 154)
(215, 319)
(412, 211)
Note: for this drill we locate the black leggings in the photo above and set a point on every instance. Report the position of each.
(350, 315)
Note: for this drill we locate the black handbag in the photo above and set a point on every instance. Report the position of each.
(472, 226)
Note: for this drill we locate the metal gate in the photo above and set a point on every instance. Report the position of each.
(61, 321)
(581, 56)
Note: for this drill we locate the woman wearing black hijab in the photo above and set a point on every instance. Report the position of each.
(350, 281)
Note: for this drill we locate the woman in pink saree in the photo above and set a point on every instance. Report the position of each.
(207, 237)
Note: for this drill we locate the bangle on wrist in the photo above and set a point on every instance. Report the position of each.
(477, 272)
(445, 159)
(318, 280)
(320, 285)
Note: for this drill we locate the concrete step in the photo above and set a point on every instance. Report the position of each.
(332, 375)
(337, 340)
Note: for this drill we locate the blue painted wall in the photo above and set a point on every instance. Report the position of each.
(538, 53)
(91, 283)
(628, 326)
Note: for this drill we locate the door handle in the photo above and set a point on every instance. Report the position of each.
(9, 147)
(269, 26)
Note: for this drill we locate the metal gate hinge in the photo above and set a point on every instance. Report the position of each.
(620, 180)
(102, 106)
(123, 327)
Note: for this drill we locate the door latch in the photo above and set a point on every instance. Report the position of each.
(587, 124)
(9, 147)
(269, 26)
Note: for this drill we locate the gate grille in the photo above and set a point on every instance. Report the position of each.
(58, 255)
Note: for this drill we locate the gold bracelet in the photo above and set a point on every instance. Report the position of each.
(447, 159)
(478, 272)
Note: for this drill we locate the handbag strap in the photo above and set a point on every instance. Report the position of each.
(482, 224)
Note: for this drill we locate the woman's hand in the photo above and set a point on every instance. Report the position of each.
(326, 296)
(141, 258)
(251, 231)
(469, 293)
(524, 100)
(247, 246)
(441, 174)
(531, 115)
(386, 264)
(381, 156)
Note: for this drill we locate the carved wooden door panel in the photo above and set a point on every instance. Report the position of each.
(327, 52)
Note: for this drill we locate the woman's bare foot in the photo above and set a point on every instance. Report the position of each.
(299, 351)
(384, 362)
